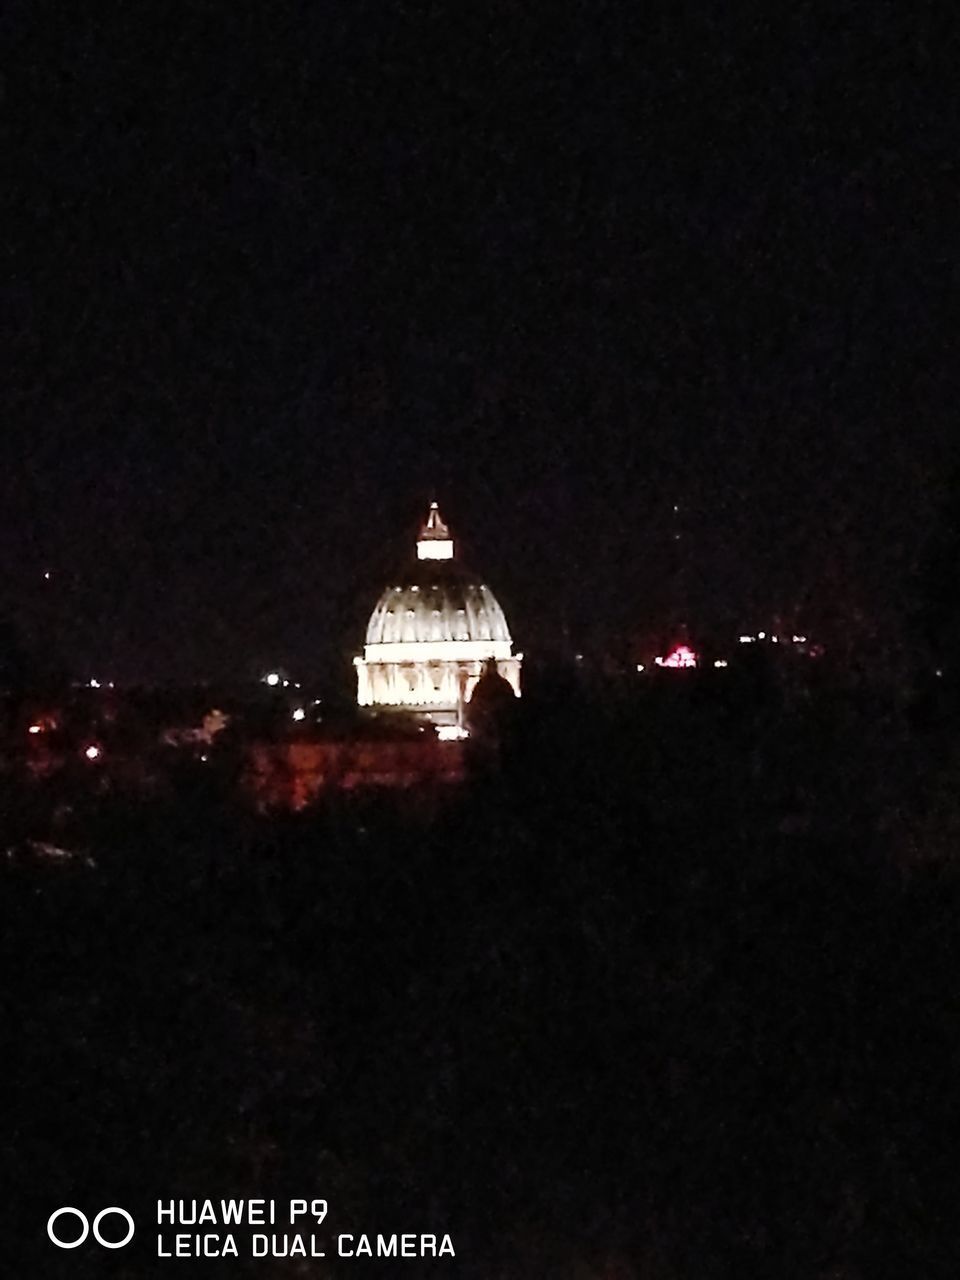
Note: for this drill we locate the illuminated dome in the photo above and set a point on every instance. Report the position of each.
(438, 602)
(431, 632)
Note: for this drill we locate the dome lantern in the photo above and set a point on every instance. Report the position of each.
(434, 542)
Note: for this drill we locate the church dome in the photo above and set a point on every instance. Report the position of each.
(430, 633)
(439, 600)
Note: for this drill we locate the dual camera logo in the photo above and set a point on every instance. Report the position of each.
(85, 1228)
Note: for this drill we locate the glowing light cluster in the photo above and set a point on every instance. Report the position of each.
(680, 656)
(774, 639)
(451, 732)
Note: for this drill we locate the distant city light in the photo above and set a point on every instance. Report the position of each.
(681, 656)
(94, 684)
(640, 666)
(273, 679)
(799, 639)
(47, 575)
(761, 635)
(299, 713)
(35, 728)
(451, 732)
(747, 639)
(92, 752)
(720, 662)
(775, 639)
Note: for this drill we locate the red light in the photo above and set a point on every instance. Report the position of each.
(680, 656)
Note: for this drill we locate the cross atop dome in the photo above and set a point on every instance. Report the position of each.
(434, 542)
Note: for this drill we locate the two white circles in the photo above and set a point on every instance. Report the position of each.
(73, 1244)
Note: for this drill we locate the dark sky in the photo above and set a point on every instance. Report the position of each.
(274, 275)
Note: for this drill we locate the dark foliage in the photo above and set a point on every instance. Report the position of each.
(674, 991)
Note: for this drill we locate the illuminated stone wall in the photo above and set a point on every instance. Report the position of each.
(431, 685)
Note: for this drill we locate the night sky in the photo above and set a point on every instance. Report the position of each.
(274, 276)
